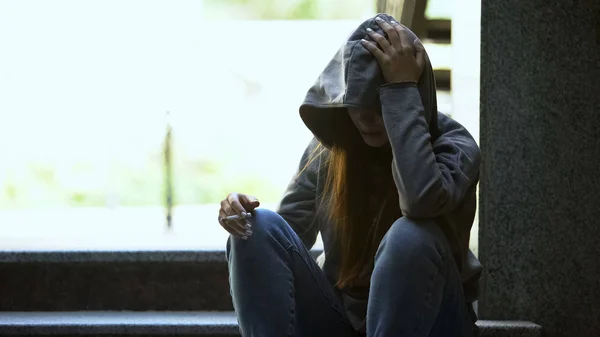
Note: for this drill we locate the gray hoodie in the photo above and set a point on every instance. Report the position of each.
(440, 183)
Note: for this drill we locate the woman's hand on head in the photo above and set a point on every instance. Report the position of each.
(400, 59)
(237, 204)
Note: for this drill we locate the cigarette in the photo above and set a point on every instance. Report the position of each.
(237, 217)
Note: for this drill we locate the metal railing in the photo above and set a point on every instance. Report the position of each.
(168, 173)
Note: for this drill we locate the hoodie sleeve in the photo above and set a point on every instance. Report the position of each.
(297, 205)
(432, 178)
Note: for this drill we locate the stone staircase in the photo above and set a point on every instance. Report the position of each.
(145, 293)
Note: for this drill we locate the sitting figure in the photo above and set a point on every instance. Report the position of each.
(389, 183)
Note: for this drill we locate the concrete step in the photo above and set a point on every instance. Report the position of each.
(112, 323)
(208, 324)
(114, 280)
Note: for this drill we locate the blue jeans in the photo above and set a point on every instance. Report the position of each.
(279, 290)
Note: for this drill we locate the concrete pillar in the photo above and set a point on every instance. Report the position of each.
(539, 225)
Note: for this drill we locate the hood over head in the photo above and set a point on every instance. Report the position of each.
(352, 79)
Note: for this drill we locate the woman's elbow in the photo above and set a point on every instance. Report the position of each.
(429, 205)
(416, 212)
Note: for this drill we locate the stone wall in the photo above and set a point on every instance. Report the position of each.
(539, 236)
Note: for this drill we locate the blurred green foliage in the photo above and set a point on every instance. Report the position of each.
(287, 10)
(306, 9)
(196, 181)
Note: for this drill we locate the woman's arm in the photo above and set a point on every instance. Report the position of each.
(432, 179)
(297, 205)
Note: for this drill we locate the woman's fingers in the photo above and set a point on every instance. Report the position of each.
(421, 55)
(381, 41)
(234, 202)
(224, 224)
(239, 227)
(379, 55)
(401, 62)
(400, 41)
(391, 33)
(234, 227)
(238, 205)
(405, 40)
(248, 202)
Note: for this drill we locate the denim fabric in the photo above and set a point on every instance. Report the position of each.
(415, 287)
(279, 290)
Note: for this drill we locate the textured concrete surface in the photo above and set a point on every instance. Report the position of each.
(539, 236)
(508, 329)
(72, 286)
(114, 280)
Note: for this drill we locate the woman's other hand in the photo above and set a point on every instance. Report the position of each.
(241, 205)
(400, 59)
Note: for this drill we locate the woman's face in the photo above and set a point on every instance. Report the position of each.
(370, 125)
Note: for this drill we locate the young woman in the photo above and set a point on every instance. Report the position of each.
(389, 183)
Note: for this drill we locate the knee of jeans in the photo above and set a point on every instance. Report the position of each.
(266, 225)
(413, 241)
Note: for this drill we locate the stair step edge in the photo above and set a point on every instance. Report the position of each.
(117, 256)
(178, 323)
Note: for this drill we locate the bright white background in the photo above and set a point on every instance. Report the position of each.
(92, 80)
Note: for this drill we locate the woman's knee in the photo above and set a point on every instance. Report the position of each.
(412, 241)
(265, 222)
(266, 226)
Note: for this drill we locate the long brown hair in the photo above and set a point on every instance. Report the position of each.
(348, 191)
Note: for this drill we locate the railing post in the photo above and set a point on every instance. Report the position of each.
(410, 13)
(168, 173)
